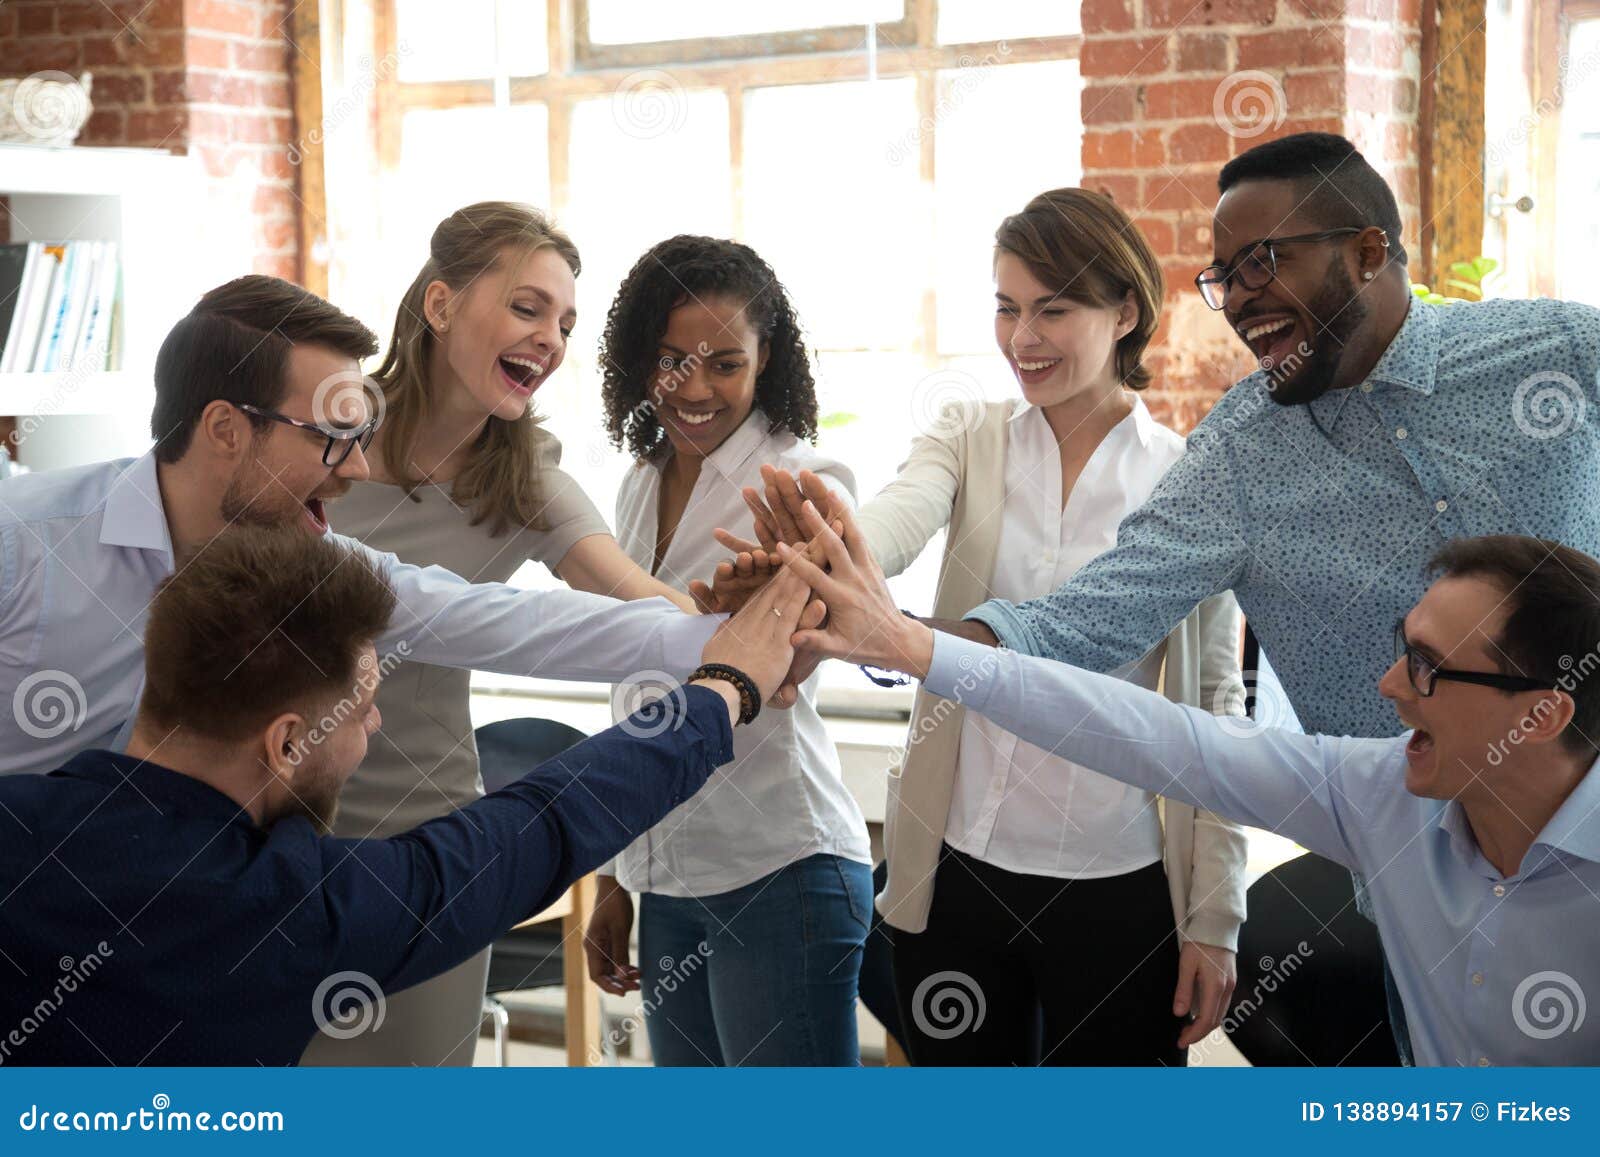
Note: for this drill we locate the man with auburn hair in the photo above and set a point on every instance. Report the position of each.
(1478, 829)
(261, 416)
(224, 924)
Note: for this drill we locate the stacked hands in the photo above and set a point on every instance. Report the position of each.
(801, 551)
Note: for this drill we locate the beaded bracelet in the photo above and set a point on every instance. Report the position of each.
(888, 678)
(749, 693)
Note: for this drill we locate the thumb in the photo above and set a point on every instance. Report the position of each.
(1184, 996)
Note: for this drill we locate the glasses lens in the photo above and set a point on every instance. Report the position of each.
(1256, 269)
(1213, 287)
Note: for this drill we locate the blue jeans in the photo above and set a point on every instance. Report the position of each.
(763, 975)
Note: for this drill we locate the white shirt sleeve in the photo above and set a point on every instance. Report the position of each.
(442, 618)
(1294, 784)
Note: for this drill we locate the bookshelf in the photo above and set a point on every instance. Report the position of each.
(153, 205)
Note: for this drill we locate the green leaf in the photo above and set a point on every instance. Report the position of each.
(834, 420)
(1485, 266)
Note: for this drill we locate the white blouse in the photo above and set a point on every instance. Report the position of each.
(783, 797)
(1016, 805)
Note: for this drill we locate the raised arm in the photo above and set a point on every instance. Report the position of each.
(1182, 546)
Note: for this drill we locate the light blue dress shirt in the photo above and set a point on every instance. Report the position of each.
(1478, 419)
(1493, 970)
(82, 551)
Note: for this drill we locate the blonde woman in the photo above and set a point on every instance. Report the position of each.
(463, 476)
(1097, 923)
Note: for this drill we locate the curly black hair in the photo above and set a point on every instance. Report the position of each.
(663, 279)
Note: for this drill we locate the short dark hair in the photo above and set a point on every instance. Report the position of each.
(1337, 186)
(670, 273)
(1552, 595)
(257, 622)
(234, 345)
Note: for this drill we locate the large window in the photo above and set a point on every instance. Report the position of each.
(866, 148)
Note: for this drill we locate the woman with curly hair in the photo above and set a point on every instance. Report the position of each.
(755, 895)
(464, 476)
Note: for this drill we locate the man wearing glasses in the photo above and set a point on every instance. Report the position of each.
(260, 418)
(1478, 830)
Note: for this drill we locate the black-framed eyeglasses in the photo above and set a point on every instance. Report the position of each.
(339, 442)
(1258, 266)
(1424, 673)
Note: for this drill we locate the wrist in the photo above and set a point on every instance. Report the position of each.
(729, 693)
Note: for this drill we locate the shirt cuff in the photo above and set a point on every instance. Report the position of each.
(959, 669)
(1009, 627)
(683, 638)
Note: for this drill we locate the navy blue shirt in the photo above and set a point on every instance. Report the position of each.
(146, 919)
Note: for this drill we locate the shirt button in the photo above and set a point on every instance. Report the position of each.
(1477, 978)
(1483, 1062)
(1400, 433)
(1441, 506)
(1366, 387)
(1499, 889)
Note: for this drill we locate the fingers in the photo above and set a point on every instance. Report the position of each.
(705, 599)
(767, 529)
(850, 534)
(816, 610)
(839, 560)
(796, 563)
(735, 544)
(785, 500)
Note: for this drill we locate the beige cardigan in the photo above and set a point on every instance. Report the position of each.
(958, 480)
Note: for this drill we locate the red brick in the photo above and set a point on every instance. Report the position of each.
(1316, 45)
(208, 51)
(1298, 124)
(221, 88)
(233, 17)
(1188, 13)
(38, 54)
(1098, 16)
(277, 265)
(1316, 9)
(120, 89)
(1179, 99)
(1313, 92)
(1183, 192)
(1123, 188)
(1159, 234)
(261, 56)
(1109, 104)
(277, 233)
(162, 128)
(1203, 52)
(8, 25)
(275, 93)
(32, 20)
(273, 200)
(1124, 56)
(1198, 143)
(107, 126)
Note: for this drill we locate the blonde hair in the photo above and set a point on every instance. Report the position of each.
(1079, 244)
(501, 480)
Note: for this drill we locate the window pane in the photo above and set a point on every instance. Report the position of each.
(636, 21)
(450, 158)
(637, 177)
(833, 201)
(1003, 134)
(1578, 174)
(962, 21)
(456, 41)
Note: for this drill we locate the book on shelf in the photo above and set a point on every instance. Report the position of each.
(58, 305)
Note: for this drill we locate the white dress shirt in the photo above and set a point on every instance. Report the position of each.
(1017, 806)
(783, 797)
(82, 551)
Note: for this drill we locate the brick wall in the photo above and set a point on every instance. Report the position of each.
(1174, 88)
(206, 77)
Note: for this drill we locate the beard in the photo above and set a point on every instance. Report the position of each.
(314, 796)
(1337, 313)
(254, 498)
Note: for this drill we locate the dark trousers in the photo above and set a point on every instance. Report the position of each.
(1016, 969)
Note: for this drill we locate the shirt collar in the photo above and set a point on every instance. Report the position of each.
(1574, 829)
(160, 785)
(732, 458)
(1144, 423)
(133, 514)
(1413, 355)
